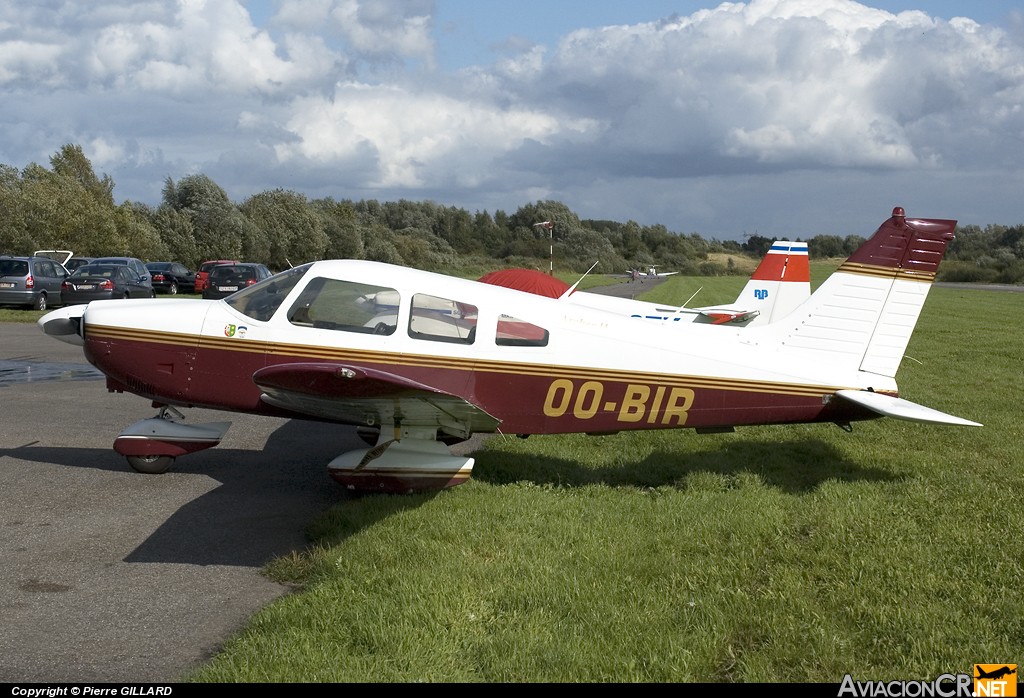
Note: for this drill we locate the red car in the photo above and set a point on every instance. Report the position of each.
(204, 271)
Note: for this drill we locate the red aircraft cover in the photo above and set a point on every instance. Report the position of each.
(529, 280)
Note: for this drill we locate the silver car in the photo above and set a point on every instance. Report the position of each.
(31, 282)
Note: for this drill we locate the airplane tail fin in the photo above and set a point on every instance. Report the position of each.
(781, 282)
(862, 316)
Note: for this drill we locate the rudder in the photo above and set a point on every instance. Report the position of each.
(863, 315)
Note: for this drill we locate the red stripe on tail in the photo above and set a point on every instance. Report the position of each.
(783, 267)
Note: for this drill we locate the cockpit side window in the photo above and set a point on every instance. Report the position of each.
(261, 300)
(331, 304)
(442, 320)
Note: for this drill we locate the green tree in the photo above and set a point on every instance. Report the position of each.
(344, 239)
(290, 225)
(424, 250)
(379, 244)
(757, 245)
(825, 246)
(140, 238)
(14, 237)
(220, 229)
(582, 248)
(70, 162)
(457, 228)
(60, 213)
(175, 230)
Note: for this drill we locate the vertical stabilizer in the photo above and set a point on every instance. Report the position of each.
(863, 315)
(781, 282)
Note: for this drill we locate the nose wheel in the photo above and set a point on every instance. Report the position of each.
(150, 465)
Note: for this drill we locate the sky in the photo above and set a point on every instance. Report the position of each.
(779, 118)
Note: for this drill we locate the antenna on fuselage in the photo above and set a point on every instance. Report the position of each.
(683, 306)
(572, 288)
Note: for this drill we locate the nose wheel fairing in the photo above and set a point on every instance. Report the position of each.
(165, 435)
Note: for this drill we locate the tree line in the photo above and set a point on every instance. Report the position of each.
(68, 206)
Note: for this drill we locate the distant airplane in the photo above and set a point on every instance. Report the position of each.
(451, 357)
(638, 273)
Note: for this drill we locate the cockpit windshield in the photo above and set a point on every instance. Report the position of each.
(260, 301)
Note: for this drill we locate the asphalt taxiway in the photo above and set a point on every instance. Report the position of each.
(113, 576)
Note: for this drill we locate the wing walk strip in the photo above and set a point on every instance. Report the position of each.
(459, 364)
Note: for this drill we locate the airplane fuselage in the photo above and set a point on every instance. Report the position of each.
(596, 372)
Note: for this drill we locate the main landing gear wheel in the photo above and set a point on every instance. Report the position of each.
(151, 465)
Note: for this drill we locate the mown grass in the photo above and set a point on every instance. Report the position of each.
(16, 314)
(775, 554)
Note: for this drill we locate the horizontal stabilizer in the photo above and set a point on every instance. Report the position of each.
(725, 317)
(899, 408)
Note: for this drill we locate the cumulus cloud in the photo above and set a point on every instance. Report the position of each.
(344, 96)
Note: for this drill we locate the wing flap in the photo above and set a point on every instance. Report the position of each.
(357, 395)
(899, 408)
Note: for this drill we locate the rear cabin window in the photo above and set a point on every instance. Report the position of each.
(438, 319)
(330, 304)
(13, 267)
(513, 332)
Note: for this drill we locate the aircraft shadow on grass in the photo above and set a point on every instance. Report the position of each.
(266, 498)
(803, 466)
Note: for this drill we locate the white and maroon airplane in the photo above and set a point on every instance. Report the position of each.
(451, 357)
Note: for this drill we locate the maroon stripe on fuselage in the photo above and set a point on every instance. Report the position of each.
(527, 398)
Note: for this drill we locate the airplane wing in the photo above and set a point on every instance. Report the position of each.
(889, 406)
(354, 395)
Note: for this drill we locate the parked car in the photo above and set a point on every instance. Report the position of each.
(204, 271)
(225, 279)
(65, 257)
(172, 277)
(76, 262)
(61, 257)
(134, 263)
(33, 282)
(99, 282)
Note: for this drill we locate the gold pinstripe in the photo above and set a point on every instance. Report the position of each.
(879, 271)
(340, 354)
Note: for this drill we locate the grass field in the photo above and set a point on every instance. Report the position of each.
(774, 554)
